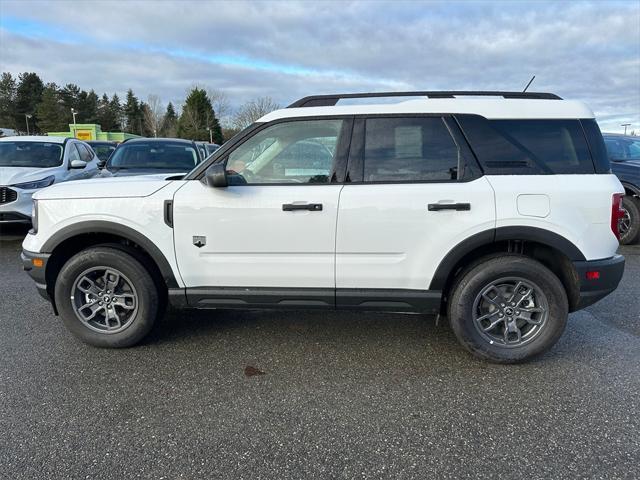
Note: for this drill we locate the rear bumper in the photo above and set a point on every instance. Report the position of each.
(610, 271)
(37, 273)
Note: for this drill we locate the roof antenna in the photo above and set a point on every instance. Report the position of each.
(530, 82)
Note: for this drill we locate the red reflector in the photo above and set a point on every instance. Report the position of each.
(594, 275)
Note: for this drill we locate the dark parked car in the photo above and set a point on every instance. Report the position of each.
(207, 149)
(624, 155)
(211, 147)
(145, 156)
(103, 150)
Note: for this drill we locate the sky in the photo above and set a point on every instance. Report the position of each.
(587, 51)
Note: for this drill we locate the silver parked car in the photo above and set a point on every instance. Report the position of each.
(28, 164)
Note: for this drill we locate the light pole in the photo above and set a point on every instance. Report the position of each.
(74, 112)
(210, 135)
(26, 119)
(625, 125)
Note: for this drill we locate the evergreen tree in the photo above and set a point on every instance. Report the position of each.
(28, 96)
(88, 107)
(104, 118)
(51, 116)
(169, 122)
(133, 114)
(117, 114)
(198, 117)
(7, 101)
(70, 96)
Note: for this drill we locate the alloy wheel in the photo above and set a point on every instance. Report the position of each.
(104, 299)
(510, 312)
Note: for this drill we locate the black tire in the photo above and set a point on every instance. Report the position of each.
(139, 322)
(632, 206)
(466, 298)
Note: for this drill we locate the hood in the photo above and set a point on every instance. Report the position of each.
(13, 175)
(122, 187)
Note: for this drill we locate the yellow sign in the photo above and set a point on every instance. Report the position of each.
(83, 134)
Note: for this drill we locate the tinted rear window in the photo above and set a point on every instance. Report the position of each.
(528, 147)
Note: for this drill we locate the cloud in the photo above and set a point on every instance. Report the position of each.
(588, 51)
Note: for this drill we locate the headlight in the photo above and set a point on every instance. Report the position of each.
(45, 182)
(34, 217)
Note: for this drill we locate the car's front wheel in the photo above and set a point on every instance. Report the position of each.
(106, 297)
(508, 309)
(629, 225)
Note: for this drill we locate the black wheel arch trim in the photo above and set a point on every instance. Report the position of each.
(101, 226)
(487, 237)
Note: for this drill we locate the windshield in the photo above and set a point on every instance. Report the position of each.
(30, 154)
(103, 151)
(162, 156)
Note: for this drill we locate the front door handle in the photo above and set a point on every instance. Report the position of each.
(313, 207)
(459, 207)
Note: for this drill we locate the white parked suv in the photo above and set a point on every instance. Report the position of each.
(496, 209)
(28, 164)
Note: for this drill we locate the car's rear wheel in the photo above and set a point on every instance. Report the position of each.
(106, 297)
(508, 309)
(629, 225)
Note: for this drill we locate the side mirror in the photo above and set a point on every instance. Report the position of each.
(78, 164)
(216, 175)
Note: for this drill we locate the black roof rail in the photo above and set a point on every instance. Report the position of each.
(331, 100)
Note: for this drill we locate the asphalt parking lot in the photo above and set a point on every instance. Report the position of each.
(340, 396)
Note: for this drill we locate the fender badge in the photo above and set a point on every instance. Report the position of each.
(199, 241)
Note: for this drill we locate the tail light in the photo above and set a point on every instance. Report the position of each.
(616, 213)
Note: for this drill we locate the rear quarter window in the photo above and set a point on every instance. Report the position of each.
(528, 147)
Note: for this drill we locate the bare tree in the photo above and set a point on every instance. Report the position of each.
(221, 105)
(253, 110)
(153, 114)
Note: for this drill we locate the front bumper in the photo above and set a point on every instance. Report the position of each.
(609, 273)
(19, 210)
(35, 264)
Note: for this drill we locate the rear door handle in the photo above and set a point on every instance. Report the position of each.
(460, 207)
(313, 207)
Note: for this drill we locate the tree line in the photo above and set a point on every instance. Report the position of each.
(205, 114)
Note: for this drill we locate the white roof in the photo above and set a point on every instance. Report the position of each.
(491, 108)
(34, 138)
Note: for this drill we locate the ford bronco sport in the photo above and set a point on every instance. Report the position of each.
(496, 209)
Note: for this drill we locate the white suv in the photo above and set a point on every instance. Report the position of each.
(496, 209)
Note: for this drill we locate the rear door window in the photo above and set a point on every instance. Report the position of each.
(408, 150)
